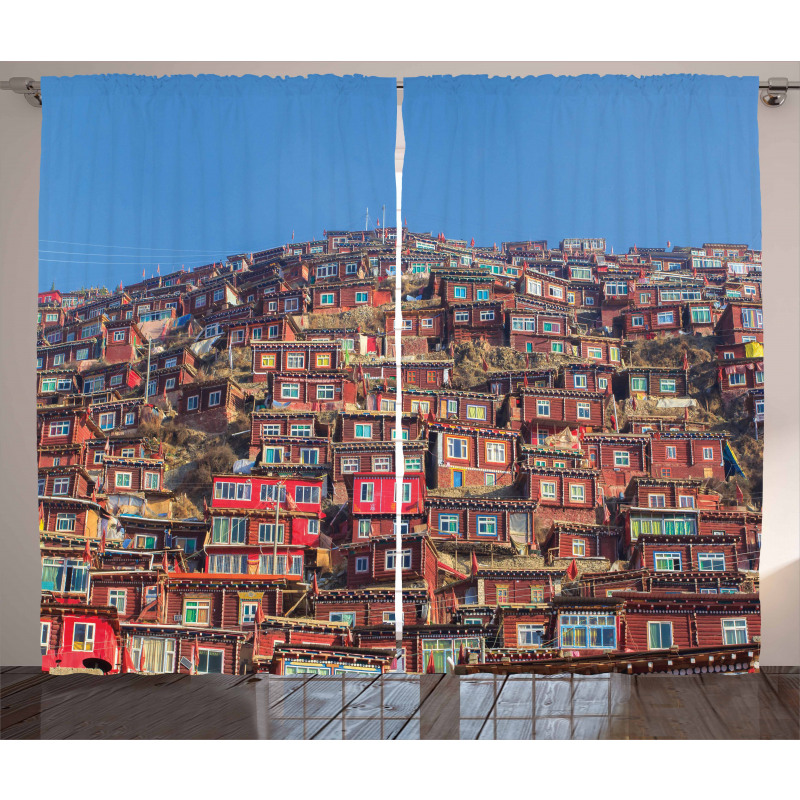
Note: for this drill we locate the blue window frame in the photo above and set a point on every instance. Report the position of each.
(486, 525)
(591, 632)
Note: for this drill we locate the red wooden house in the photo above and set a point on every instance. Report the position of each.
(372, 561)
(549, 411)
(482, 320)
(210, 405)
(563, 494)
(687, 454)
(79, 636)
(372, 606)
(643, 382)
(270, 358)
(741, 322)
(123, 341)
(312, 390)
(485, 523)
(598, 349)
(337, 297)
(590, 377)
(736, 376)
(467, 455)
(243, 332)
(576, 540)
(359, 426)
(283, 422)
(648, 322)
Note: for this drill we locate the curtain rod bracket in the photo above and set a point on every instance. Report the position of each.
(774, 94)
(28, 87)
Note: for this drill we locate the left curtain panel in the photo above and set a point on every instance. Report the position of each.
(187, 395)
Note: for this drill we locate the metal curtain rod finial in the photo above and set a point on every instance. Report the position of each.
(773, 92)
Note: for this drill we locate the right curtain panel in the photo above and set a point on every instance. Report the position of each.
(588, 252)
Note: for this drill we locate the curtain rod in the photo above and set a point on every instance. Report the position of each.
(773, 94)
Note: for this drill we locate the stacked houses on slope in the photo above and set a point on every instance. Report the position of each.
(560, 508)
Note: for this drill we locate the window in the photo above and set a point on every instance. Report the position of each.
(273, 455)
(367, 492)
(667, 385)
(210, 662)
(667, 562)
(362, 564)
(49, 385)
(613, 353)
(107, 420)
(290, 390)
(656, 500)
(200, 301)
(268, 360)
(214, 399)
(326, 299)
(486, 525)
(672, 453)
(659, 635)
(638, 384)
(65, 384)
(83, 636)
(419, 406)
(306, 494)
(61, 486)
(390, 559)
(685, 501)
(247, 612)
(230, 490)
(381, 464)
(152, 387)
(579, 381)
(119, 336)
(58, 358)
(708, 454)
(59, 428)
(362, 297)
(123, 480)
(551, 327)
(462, 316)
(151, 480)
(579, 547)
(460, 292)
(529, 635)
(351, 464)
(537, 594)
(734, 631)
(325, 392)
(266, 532)
(666, 317)
(711, 562)
(169, 384)
(448, 523)
(196, 612)
(701, 315)
(65, 522)
(309, 455)
(584, 411)
(759, 376)
(116, 380)
(426, 322)
(323, 360)
(595, 353)
(597, 632)
(487, 315)
(495, 452)
(577, 493)
(456, 448)
(413, 464)
(295, 361)
(117, 598)
(548, 490)
(542, 408)
(44, 637)
(192, 402)
(736, 379)
(406, 493)
(622, 458)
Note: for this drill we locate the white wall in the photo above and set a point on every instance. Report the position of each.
(779, 131)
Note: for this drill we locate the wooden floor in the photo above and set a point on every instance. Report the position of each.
(36, 705)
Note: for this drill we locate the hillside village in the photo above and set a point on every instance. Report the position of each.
(581, 440)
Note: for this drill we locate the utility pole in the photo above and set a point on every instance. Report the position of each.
(147, 380)
(366, 221)
(383, 227)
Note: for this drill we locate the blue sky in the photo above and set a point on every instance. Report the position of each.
(139, 171)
